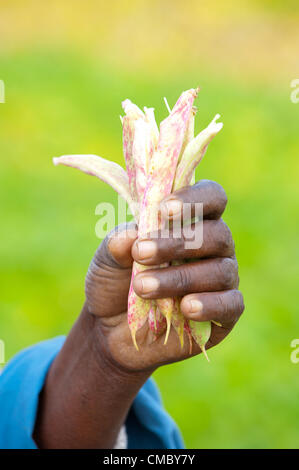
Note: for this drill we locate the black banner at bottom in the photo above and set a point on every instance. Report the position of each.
(149, 458)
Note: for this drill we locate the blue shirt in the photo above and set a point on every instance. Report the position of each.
(148, 425)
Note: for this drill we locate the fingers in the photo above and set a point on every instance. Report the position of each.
(109, 273)
(217, 242)
(224, 307)
(209, 193)
(208, 275)
(117, 246)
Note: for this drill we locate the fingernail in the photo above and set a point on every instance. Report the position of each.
(146, 249)
(195, 306)
(148, 284)
(173, 207)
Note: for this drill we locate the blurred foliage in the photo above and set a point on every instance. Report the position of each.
(66, 69)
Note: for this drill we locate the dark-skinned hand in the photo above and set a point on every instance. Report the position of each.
(206, 281)
(94, 379)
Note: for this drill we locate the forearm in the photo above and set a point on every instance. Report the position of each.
(86, 398)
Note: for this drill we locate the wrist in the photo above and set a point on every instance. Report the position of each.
(86, 397)
(98, 343)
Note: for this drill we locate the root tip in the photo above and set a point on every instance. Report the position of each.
(181, 338)
(205, 352)
(134, 340)
(168, 330)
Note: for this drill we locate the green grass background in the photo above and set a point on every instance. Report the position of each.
(60, 100)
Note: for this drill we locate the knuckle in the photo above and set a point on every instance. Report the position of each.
(221, 194)
(101, 256)
(228, 272)
(182, 278)
(219, 190)
(221, 306)
(215, 194)
(204, 182)
(240, 307)
(168, 246)
(236, 306)
(225, 239)
(200, 183)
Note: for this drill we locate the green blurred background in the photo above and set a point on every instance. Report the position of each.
(67, 65)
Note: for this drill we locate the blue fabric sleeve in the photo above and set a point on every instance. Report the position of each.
(148, 425)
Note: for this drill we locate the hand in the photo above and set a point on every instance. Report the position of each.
(94, 379)
(208, 285)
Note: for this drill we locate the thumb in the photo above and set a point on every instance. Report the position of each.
(119, 244)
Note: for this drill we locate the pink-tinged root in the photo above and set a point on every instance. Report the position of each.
(177, 321)
(188, 331)
(190, 343)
